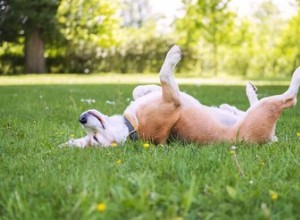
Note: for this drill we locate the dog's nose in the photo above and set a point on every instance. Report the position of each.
(83, 119)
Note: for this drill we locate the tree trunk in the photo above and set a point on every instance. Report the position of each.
(34, 52)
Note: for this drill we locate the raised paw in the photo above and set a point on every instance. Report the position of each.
(251, 93)
(250, 88)
(173, 56)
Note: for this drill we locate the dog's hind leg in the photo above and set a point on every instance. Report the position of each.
(170, 90)
(294, 85)
(252, 98)
(260, 122)
(251, 93)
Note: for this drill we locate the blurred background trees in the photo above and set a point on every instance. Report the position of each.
(126, 36)
(30, 24)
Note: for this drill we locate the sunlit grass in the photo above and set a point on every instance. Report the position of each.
(48, 79)
(137, 180)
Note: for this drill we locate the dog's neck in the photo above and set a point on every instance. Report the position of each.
(121, 128)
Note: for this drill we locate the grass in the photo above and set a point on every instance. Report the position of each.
(109, 78)
(38, 180)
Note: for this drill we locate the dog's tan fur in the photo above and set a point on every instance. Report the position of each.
(170, 115)
(161, 112)
(157, 120)
(257, 127)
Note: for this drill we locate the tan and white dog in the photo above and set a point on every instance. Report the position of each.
(159, 112)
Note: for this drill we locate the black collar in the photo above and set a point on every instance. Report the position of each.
(133, 135)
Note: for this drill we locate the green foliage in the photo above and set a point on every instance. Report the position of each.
(289, 46)
(88, 27)
(89, 22)
(178, 180)
(208, 20)
(35, 22)
(11, 58)
(143, 51)
(121, 36)
(20, 16)
(259, 46)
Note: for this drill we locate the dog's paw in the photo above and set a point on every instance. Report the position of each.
(141, 91)
(72, 143)
(229, 108)
(174, 55)
(250, 88)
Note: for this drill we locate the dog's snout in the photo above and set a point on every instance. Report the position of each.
(83, 119)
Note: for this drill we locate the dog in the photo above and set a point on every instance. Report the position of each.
(160, 112)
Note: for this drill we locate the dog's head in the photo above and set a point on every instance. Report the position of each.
(97, 127)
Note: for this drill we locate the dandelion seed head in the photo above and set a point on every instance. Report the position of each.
(233, 148)
(110, 102)
(88, 101)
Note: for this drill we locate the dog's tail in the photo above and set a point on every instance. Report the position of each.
(294, 85)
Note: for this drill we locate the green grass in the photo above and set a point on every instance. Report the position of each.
(38, 180)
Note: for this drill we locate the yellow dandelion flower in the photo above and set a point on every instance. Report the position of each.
(72, 135)
(232, 152)
(298, 134)
(101, 207)
(274, 195)
(119, 161)
(114, 145)
(146, 145)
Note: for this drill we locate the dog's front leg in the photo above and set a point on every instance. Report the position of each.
(143, 90)
(81, 142)
(170, 90)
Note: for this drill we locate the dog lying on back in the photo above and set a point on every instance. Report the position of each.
(159, 112)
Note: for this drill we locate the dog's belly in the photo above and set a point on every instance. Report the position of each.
(201, 126)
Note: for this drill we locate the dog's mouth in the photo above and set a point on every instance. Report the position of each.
(98, 118)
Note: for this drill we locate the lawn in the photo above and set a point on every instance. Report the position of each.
(39, 180)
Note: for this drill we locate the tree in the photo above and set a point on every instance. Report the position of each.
(289, 45)
(266, 29)
(207, 19)
(89, 27)
(35, 21)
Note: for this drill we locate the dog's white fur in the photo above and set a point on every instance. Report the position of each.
(159, 112)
